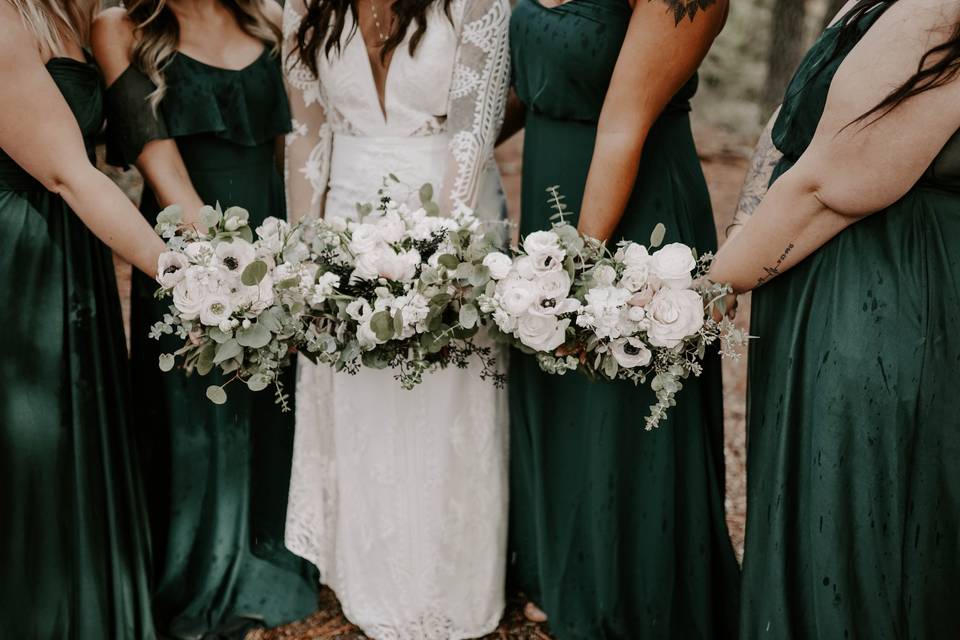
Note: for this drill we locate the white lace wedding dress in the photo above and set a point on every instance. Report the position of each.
(399, 497)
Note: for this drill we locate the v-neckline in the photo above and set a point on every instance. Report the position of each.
(381, 100)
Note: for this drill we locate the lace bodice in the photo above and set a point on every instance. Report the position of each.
(455, 84)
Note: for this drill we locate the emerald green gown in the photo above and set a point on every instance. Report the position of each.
(853, 498)
(217, 475)
(616, 532)
(74, 551)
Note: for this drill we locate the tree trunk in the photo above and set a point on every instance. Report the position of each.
(833, 8)
(787, 45)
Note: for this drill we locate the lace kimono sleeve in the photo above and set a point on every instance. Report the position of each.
(477, 100)
(307, 162)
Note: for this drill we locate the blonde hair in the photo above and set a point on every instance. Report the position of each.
(158, 35)
(56, 22)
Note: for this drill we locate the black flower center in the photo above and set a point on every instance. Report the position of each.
(548, 303)
(231, 263)
(631, 350)
(171, 269)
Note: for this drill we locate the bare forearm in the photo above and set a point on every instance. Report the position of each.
(514, 118)
(610, 181)
(762, 163)
(791, 223)
(110, 215)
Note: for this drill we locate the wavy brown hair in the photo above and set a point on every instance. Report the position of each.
(158, 35)
(54, 22)
(938, 66)
(324, 21)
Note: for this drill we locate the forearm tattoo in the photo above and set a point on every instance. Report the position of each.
(687, 8)
(771, 272)
(764, 160)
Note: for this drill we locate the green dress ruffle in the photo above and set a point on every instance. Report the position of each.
(74, 550)
(616, 532)
(853, 526)
(217, 475)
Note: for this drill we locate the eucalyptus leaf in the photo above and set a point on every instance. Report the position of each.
(468, 316)
(229, 349)
(218, 336)
(216, 394)
(205, 359)
(610, 367)
(166, 362)
(480, 276)
(432, 209)
(255, 272)
(465, 271)
(171, 215)
(451, 262)
(382, 325)
(258, 382)
(237, 212)
(209, 217)
(255, 337)
(398, 322)
(270, 319)
(246, 233)
(441, 299)
(656, 237)
(426, 193)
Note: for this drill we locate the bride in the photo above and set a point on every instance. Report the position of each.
(399, 497)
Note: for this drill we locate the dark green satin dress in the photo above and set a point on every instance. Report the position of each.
(217, 475)
(616, 532)
(853, 516)
(74, 550)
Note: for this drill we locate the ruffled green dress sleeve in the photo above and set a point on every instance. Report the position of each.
(132, 121)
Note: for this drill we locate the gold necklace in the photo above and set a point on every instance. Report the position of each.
(376, 21)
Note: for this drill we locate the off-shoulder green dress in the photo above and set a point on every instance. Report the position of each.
(74, 553)
(217, 475)
(616, 532)
(853, 511)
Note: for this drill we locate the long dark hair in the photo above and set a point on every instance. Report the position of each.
(929, 75)
(323, 24)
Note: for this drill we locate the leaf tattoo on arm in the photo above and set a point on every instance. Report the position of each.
(686, 8)
(764, 160)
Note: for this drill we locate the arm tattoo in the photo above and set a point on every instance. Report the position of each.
(687, 8)
(762, 163)
(771, 272)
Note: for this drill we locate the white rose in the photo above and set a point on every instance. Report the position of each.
(364, 239)
(188, 297)
(633, 255)
(499, 265)
(170, 268)
(216, 308)
(630, 353)
(400, 267)
(673, 265)
(516, 295)
(524, 267)
(674, 314)
(542, 332)
(604, 275)
(235, 256)
(554, 285)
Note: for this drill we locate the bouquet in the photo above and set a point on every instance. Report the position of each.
(399, 289)
(232, 301)
(628, 314)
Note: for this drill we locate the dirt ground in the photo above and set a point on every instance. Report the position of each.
(724, 158)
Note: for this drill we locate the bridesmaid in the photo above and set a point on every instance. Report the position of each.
(853, 526)
(73, 544)
(196, 101)
(617, 532)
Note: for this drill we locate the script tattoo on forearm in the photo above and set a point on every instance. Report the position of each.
(687, 8)
(772, 272)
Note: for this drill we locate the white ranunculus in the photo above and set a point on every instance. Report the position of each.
(541, 332)
(555, 284)
(630, 353)
(517, 295)
(674, 314)
(603, 275)
(199, 251)
(673, 265)
(364, 239)
(400, 267)
(499, 265)
(506, 322)
(635, 278)
(188, 297)
(216, 308)
(272, 232)
(524, 267)
(170, 268)
(234, 256)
